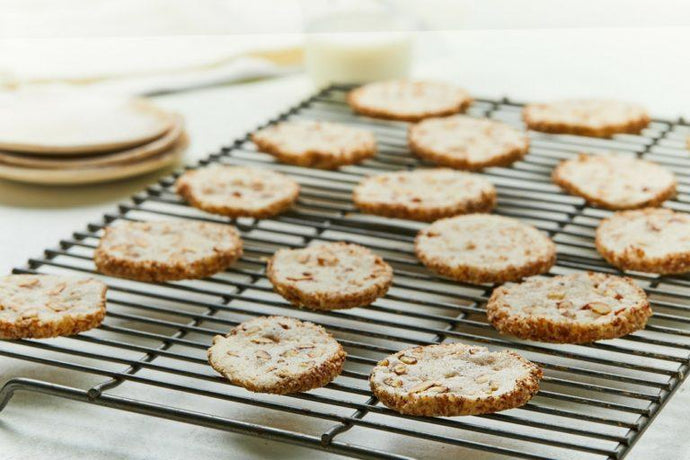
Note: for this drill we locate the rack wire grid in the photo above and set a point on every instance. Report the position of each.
(595, 401)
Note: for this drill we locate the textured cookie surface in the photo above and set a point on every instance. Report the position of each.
(329, 276)
(577, 308)
(424, 194)
(454, 379)
(167, 250)
(316, 144)
(41, 306)
(467, 143)
(277, 355)
(237, 191)
(616, 181)
(586, 117)
(483, 248)
(408, 100)
(648, 240)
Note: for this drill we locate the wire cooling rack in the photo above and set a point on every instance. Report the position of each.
(596, 399)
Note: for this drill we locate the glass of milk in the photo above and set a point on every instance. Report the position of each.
(357, 42)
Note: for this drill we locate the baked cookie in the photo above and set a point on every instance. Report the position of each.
(454, 379)
(236, 191)
(586, 117)
(41, 306)
(408, 100)
(167, 250)
(424, 194)
(329, 276)
(648, 240)
(483, 248)
(577, 308)
(615, 181)
(276, 354)
(463, 142)
(316, 144)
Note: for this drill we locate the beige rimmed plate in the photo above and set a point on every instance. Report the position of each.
(68, 121)
(94, 175)
(105, 159)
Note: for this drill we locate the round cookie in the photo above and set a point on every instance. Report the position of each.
(277, 355)
(615, 181)
(577, 308)
(408, 100)
(648, 240)
(42, 306)
(483, 248)
(454, 379)
(329, 276)
(586, 117)
(316, 144)
(167, 250)
(236, 191)
(464, 142)
(424, 194)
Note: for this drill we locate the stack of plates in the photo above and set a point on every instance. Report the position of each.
(77, 137)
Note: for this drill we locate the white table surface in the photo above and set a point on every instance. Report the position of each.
(634, 64)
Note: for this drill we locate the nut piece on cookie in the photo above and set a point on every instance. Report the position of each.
(424, 194)
(278, 355)
(577, 308)
(42, 306)
(316, 144)
(167, 250)
(408, 100)
(483, 248)
(237, 191)
(454, 379)
(616, 181)
(651, 240)
(586, 117)
(329, 276)
(463, 142)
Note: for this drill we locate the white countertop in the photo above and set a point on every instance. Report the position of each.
(644, 65)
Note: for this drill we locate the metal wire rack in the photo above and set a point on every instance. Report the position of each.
(596, 399)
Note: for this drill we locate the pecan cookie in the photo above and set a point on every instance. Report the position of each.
(167, 250)
(454, 379)
(586, 117)
(408, 100)
(41, 306)
(648, 240)
(424, 194)
(463, 142)
(616, 181)
(276, 354)
(316, 144)
(577, 308)
(237, 191)
(483, 248)
(329, 276)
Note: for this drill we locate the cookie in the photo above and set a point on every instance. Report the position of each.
(648, 240)
(454, 379)
(577, 308)
(463, 142)
(483, 248)
(316, 144)
(586, 117)
(167, 250)
(236, 191)
(615, 181)
(42, 306)
(424, 194)
(276, 354)
(408, 100)
(329, 276)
